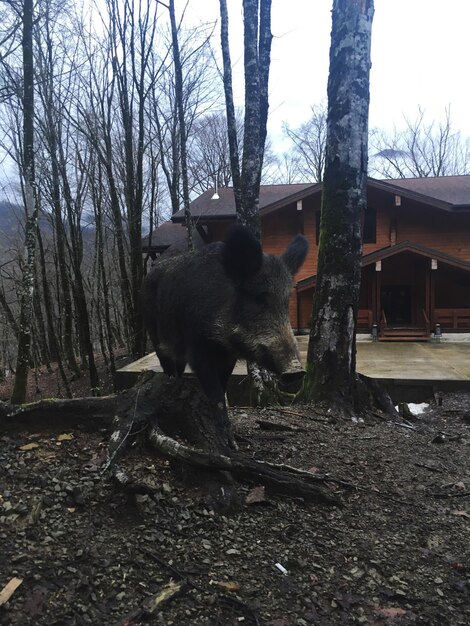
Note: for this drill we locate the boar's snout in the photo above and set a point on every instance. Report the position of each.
(293, 376)
(292, 371)
(280, 355)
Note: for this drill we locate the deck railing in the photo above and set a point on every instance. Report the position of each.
(427, 323)
(364, 319)
(383, 322)
(455, 319)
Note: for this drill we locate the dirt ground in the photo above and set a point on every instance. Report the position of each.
(397, 552)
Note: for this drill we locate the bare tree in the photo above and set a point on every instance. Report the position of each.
(181, 124)
(331, 361)
(257, 58)
(50, 137)
(132, 31)
(28, 279)
(421, 149)
(209, 152)
(200, 94)
(309, 143)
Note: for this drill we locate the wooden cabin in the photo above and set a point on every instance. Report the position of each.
(416, 250)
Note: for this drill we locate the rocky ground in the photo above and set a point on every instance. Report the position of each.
(74, 552)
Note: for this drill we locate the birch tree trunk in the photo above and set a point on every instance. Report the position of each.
(331, 362)
(257, 55)
(182, 124)
(27, 284)
(230, 107)
(246, 183)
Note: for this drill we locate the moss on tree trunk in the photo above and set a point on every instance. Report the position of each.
(331, 361)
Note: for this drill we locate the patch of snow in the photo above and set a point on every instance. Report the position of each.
(415, 409)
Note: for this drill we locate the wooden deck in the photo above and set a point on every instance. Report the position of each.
(397, 364)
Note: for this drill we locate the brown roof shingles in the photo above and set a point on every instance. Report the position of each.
(446, 192)
(224, 207)
(454, 190)
(450, 193)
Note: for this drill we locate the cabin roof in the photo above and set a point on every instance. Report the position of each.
(449, 193)
(224, 207)
(166, 235)
(454, 190)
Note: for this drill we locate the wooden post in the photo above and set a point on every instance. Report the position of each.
(432, 296)
(377, 305)
(427, 296)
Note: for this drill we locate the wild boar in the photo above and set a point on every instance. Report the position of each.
(224, 302)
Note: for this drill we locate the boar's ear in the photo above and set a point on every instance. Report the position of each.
(295, 254)
(242, 255)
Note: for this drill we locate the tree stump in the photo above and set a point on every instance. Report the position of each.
(182, 425)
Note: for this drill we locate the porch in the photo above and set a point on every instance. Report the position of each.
(408, 293)
(450, 321)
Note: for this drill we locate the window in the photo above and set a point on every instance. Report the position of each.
(369, 230)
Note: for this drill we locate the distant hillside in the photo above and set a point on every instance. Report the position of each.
(12, 224)
(11, 218)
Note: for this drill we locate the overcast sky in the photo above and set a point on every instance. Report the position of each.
(420, 57)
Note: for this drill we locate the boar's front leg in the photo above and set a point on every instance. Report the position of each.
(213, 366)
(171, 367)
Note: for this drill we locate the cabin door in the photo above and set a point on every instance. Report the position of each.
(396, 304)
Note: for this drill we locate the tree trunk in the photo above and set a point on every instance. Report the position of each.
(246, 184)
(8, 313)
(331, 361)
(182, 124)
(27, 283)
(54, 343)
(50, 136)
(257, 53)
(103, 299)
(230, 107)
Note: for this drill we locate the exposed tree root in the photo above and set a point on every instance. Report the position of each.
(367, 398)
(280, 478)
(163, 409)
(370, 397)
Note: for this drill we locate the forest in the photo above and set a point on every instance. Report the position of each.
(161, 504)
(107, 167)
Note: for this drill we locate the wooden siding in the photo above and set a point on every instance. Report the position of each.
(281, 227)
(278, 231)
(446, 232)
(441, 230)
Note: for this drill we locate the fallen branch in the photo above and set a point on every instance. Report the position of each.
(90, 413)
(429, 467)
(302, 415)
(404, 425)
(462, 494)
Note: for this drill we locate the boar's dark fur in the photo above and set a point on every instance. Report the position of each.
(227, 301)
